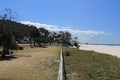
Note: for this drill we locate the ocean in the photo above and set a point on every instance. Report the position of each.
(107, 44)
(111, 44)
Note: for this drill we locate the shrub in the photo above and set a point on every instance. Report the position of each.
(21, 48)
(67, 53)
(76, 44)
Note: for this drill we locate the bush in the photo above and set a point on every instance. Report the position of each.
(67, 53)
(76, 44)
(21, 48)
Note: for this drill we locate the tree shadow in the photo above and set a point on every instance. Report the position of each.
(41, 46)
(8, 57)
(23, 55)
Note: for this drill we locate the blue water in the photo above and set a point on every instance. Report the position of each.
(102, 44)
(112, 44)
(108, 44)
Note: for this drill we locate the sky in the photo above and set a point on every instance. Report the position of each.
(92, 21)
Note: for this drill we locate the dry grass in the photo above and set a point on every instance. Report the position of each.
(31, 64)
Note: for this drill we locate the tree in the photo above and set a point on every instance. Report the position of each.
(64, 37)
(8, 42)
(34, 35)
(44, 36)
(53, 37)
(67, 37)
(9, 15)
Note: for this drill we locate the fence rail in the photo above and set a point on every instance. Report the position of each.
(60, 72)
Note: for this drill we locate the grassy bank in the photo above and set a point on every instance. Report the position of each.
(90, 65)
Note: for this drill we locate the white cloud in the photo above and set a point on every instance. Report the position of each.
(84, 35)
(38, 25)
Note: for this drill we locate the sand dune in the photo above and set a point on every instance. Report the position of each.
(112, 50)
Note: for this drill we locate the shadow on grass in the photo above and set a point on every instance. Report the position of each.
(23, 55)
(41, 46)
(5, 79)
(9, 57)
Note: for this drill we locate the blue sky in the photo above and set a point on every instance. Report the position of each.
(93, 21)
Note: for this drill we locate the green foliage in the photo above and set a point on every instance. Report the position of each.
(37, 36)
(90, 65)
(64, 37)
(7, 40)
(75, 44)
(17, 29)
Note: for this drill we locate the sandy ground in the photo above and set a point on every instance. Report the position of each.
(31, 64)
(112, 50)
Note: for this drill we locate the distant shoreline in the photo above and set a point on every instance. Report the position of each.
(103, 44)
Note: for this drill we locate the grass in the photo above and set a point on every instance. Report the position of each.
(31, 64)
(90, 65)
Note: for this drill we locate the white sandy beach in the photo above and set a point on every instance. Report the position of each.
(112, 50)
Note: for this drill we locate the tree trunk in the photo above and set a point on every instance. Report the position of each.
(3, 55)
(34, 43)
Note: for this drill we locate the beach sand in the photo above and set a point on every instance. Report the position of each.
(112, 50)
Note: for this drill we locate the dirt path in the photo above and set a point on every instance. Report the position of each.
(31, 64)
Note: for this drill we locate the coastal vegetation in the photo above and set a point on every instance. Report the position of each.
(90, 65)
(37, 59)
(13, 33)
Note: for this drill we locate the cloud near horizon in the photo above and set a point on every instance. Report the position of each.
(83, 35)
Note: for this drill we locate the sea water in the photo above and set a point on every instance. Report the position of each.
(107, 44)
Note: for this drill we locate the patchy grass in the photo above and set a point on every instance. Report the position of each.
(31, 64)
(90, 65)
